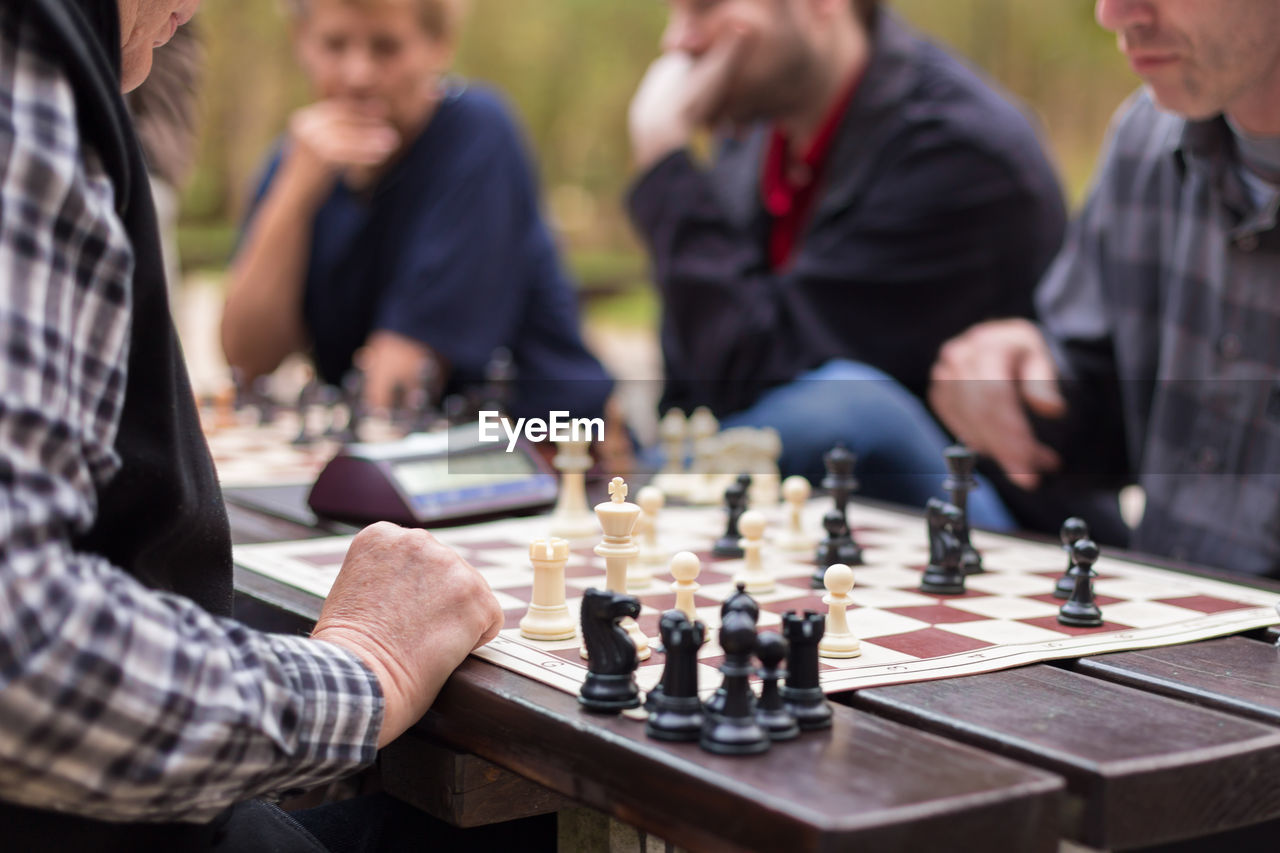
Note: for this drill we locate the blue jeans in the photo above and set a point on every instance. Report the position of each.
(898, 443)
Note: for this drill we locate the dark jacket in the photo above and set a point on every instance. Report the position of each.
(161, 518)
(938, 210)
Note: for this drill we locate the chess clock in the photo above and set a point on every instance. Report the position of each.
(432, 478)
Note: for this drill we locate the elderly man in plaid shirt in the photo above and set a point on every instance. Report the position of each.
(133, 712)
(1157, 355)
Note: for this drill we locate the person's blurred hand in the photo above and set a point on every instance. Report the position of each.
(679, 94)
(982, 385)
(332, 138)
(389, 361)
(412, 610)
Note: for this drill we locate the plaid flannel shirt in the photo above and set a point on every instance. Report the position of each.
(116, 702)
(1165, 306)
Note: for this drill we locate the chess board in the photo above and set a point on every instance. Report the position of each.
(1007, 616)
(247, 453)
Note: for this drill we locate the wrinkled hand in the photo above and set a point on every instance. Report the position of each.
(982, 385)
(332, 138)
(678, 95)
(412, 610)
(390, 360)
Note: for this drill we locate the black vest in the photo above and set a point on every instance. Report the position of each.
(161, 518)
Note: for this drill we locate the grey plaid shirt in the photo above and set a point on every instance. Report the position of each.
(116, 702)
(1165, 304)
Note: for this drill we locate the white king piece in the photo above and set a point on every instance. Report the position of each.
(618, 521)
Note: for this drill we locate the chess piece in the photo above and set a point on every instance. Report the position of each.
(703, 428)
(651, 501)
(306, 397)
(795, 491)
(771, 712)
(839, 480)
(945, 573)
(838, 547)
(675, 713)
(958, 484)
(802, 694)
(754, 576)
(733, 730)
(738, 602)
(735, 500)
(1081, 610)
(353, 402)
(610, 685)
(685, 567)
(673, 431)
(263, 400)
(548, 616)
(837, 640)
(571, 519)
(1073, 530)
(618, 519)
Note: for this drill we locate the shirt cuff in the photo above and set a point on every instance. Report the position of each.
(658, 188)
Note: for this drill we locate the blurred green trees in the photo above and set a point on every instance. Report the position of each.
(569, 68)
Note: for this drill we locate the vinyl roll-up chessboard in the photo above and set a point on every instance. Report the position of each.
(1007, 616)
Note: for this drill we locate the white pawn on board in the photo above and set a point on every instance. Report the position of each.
(796, 491)
(548, 617)
(685, 567)
(673, 431)
(753, 574)
(838, 641)
(651, 502)
(618, 520)
(572, 518)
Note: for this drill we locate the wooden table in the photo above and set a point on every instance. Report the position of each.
(1118, 751)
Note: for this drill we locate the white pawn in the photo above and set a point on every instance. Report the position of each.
(651, 502)
(673, 430)
(796, 491)
(838, 641)
(548, 617)
(685, 567)
(753, 574)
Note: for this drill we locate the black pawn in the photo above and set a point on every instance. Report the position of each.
(675, 712)
(839, 480)
(837, 547)
(802, 694)
(735, 502)
(739, 602)
(945, 572)
(1073, 530)
(734, 730)
(610, 685)
(1081, 610)
(958, 484)
(771, 712)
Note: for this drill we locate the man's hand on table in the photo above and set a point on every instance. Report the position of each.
(983, 384)
(412, 610)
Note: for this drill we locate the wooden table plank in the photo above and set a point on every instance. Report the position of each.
(1232, 674)
(1141, 768)
(867, 781)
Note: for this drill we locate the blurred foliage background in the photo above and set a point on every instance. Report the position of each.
(569, 68)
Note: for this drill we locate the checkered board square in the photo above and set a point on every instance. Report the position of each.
(247, 453)
(1007, 617)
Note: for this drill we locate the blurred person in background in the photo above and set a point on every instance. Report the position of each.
(398, 224)
(870, 197)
